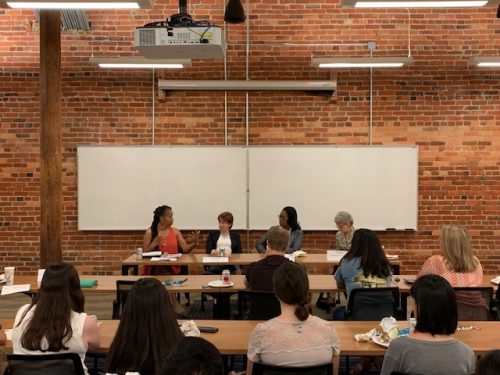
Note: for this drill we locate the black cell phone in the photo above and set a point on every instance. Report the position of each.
(208, 329)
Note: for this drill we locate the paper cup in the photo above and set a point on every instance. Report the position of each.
(9, 275)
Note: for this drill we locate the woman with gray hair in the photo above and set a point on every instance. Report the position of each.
(344, 223)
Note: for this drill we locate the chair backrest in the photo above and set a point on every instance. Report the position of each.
(263, 369)
(475, 303)
(373, 303)
(263, 305)
(122, 289)
(50, 364)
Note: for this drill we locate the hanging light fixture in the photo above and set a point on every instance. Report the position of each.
(415, 3)
(76, 4)
(361, 62)
(234, 12)
(485, 62)
(139, 63)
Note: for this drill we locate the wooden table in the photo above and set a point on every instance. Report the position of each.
(194, 283)
(233, 336)
(131, 263)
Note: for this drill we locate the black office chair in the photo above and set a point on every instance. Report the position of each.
(263, 369)
(50, 364)
(373, 304)
(122, 289)
(476, 303)
(253, 305)
(496, 305)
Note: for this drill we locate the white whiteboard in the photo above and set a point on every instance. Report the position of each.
(119, 187)
(378, 185)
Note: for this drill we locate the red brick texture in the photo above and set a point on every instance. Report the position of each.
(449, 109)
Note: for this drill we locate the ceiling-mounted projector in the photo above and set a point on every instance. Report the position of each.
(179, 42)
(180, 38)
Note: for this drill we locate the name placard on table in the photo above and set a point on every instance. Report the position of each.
(215, 259)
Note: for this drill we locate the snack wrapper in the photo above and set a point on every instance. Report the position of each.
(190, 328)
(388, 329)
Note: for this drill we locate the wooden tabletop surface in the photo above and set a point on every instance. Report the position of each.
(199, 283)
(234, 259)
(194, 283)
(233, 335)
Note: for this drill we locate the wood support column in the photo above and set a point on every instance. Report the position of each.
(50, 138)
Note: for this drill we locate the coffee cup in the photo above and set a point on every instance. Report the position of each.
(9, 275)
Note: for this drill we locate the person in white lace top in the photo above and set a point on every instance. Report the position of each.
(294, 338)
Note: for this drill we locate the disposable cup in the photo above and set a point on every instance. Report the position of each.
(9, 275)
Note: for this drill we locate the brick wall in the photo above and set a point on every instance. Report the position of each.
(451, 110)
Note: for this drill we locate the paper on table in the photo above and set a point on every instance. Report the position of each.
(215, 259)
(496, 280)
(41, 271)
(151, 254)
(392, 256)
(163, 259)
(11, 289)
(335, 255)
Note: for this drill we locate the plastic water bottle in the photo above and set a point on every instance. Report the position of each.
(138, 253)
(412, 322)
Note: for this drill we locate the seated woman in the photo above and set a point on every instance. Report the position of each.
(194, 356)
(3, 341)
(364, 265)
(431, 349)
(148, 331)
(224, 238)
(489, 364)
(164, 237)
(345, 232)
(461, 268)
(294, 338)
(288, 220)
(59, 301)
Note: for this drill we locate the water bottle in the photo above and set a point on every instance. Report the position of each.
(412, 322)
(138, 253)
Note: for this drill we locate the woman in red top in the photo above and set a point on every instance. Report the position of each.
(164, 237)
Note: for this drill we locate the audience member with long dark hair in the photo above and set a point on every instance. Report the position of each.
(148, 331)
(364, 265)
(55, 322)
(294, 338)
(194, 356)
(288, 220)
(431, 349)
(489, 364)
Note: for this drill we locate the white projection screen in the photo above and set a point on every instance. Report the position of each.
(119, 186)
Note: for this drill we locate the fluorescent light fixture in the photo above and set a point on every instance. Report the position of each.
(361, 62)
(414, 3)
(139, 63)
(247, 85)
(485, 62)
(73, 4)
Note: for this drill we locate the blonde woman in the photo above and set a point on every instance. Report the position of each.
(458, 265)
